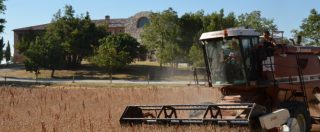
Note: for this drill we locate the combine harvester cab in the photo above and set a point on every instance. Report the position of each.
(263, 86)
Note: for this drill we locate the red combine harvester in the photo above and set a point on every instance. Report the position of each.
(263, 87)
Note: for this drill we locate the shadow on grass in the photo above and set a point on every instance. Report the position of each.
(12, 66)
(18, 84)
(130, 72)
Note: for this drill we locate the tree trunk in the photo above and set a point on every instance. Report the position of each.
(37, 73)
(79, 60)
(52, 73)
(161, 49)
(110, 76)
(74, 60)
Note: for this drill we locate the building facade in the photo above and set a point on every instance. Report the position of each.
(132, 25)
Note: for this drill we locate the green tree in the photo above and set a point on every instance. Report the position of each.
(162, 35)
(8, 53)
(43, 53)
(54, 55)
(196, 56)
(116, 51)
(310, 28)
(77, 35)
(66, 41)
(212, 22)
(218, 21)
(172, 37)
(142, 52)
(28, 36)
(2, 20)
(2, 44)
(128, 44)
(35, 56)
(191, 27)
(254, 20)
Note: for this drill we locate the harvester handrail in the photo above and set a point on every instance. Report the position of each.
(169, 119)
(178, 105)
(199, 108)
(249, 115)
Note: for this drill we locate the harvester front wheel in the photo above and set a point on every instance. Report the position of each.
(299, 111)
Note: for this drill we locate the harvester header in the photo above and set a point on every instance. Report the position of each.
(188, 114)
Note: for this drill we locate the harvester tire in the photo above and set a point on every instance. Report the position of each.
(299, 111)
(132, 112)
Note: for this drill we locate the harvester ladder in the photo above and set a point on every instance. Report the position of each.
(272, 70)
(301, 80)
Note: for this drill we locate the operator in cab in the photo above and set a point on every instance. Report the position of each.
(267, 45)
(263, 56)
(267, 41)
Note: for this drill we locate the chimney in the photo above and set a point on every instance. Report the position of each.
(107, 17)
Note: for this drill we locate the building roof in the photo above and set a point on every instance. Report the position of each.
(112, 23)
(37, 27)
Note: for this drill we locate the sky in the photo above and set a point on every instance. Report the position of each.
(287, 14)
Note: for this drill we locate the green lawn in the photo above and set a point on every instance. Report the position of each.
(136, 71)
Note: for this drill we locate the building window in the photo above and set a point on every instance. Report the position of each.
(142, 21)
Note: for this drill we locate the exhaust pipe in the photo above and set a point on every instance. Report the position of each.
(299, 38)
(293, 42)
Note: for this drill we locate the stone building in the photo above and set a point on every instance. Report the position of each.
(132, 25)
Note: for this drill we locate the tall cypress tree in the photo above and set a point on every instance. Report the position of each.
(1, 48)
(2, 20)
(7, 53)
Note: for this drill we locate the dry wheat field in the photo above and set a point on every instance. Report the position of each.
(92, 109)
